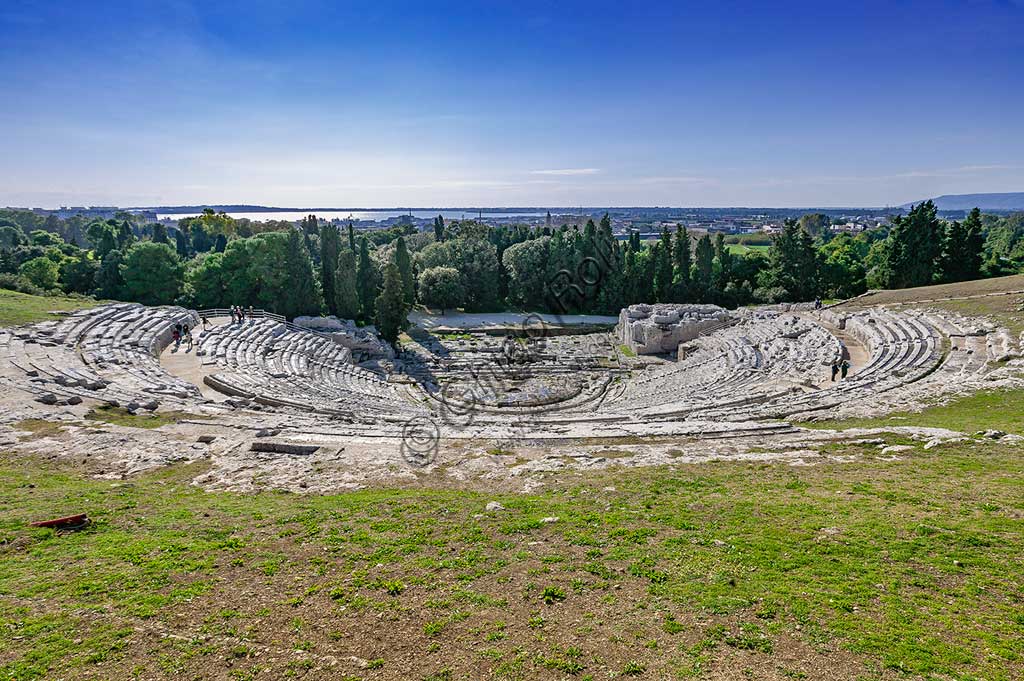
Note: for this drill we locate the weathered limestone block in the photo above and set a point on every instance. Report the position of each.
(654, 329)
(363, 343)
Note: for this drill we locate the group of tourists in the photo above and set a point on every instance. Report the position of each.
(182, 334)
(840, 367)
(238, 314)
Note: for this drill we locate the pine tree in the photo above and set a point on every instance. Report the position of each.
(329, 247)
(366, 281)
(346, 298)
(390, 306)
(404, 263)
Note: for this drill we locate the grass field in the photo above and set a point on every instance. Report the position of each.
(992, 410)
(21, 308)
(873, 569)
(741, 249)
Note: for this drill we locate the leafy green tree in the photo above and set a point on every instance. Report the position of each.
(390, 305)
(704, 266)
(681, 263)
(206, 278)
(663, 269)
(346, 297)
(181, 244)
(723, 263)
(78, 274)
(526, 264)
(45, 239)
(404, 263)
(477, 262)
(102, 236)
(815, 224)
(125, 235)
(160, 233)
(152, 273)
(910, 252)
(109, 282)
(441, 287)
(11, 237)
(221, 244)
(301, 296)
(842, 270)
(792, 270)
(42, 272)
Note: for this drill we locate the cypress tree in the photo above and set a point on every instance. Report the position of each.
(181, 244)
(663, 268)
(346, 298)
(974, 245)
(366, 281)
(404, 264)
(723, 275)
(682, 261)
(329, 246)
(391, 310)
(912, 248)
(160, 233)
(704, 257)
(439, 228)
(301, 295)
(351, 238)
(221, 243)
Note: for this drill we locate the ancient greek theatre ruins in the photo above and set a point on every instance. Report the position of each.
(320, 404)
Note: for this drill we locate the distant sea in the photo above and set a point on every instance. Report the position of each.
(375, 215)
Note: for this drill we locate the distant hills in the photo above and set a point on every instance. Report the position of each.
(992, 201)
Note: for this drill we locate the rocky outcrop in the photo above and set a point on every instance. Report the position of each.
(364, 342)
(655, 329)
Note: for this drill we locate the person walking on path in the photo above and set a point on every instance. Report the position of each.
(835, 370)
(845, 368)
(252, 315)
(232, 314)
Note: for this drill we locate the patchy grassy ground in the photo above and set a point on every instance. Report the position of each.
(21, 308)
(876, 568)
(991, 410)
(119, 416)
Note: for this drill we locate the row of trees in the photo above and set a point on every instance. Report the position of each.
(378, 276)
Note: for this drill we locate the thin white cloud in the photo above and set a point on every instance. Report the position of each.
(567, 171)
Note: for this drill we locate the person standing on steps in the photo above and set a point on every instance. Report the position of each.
(252, 315)
(845, 368)
(835, 370)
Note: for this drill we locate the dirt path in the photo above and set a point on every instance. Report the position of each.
(189, 366)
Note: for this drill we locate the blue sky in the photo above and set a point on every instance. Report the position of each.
(309, 103)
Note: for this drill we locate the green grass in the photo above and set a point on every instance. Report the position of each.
(674, 572)
(119, 416)
(21, 308)
(743, 249)
(990, 410)
(627, 351)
